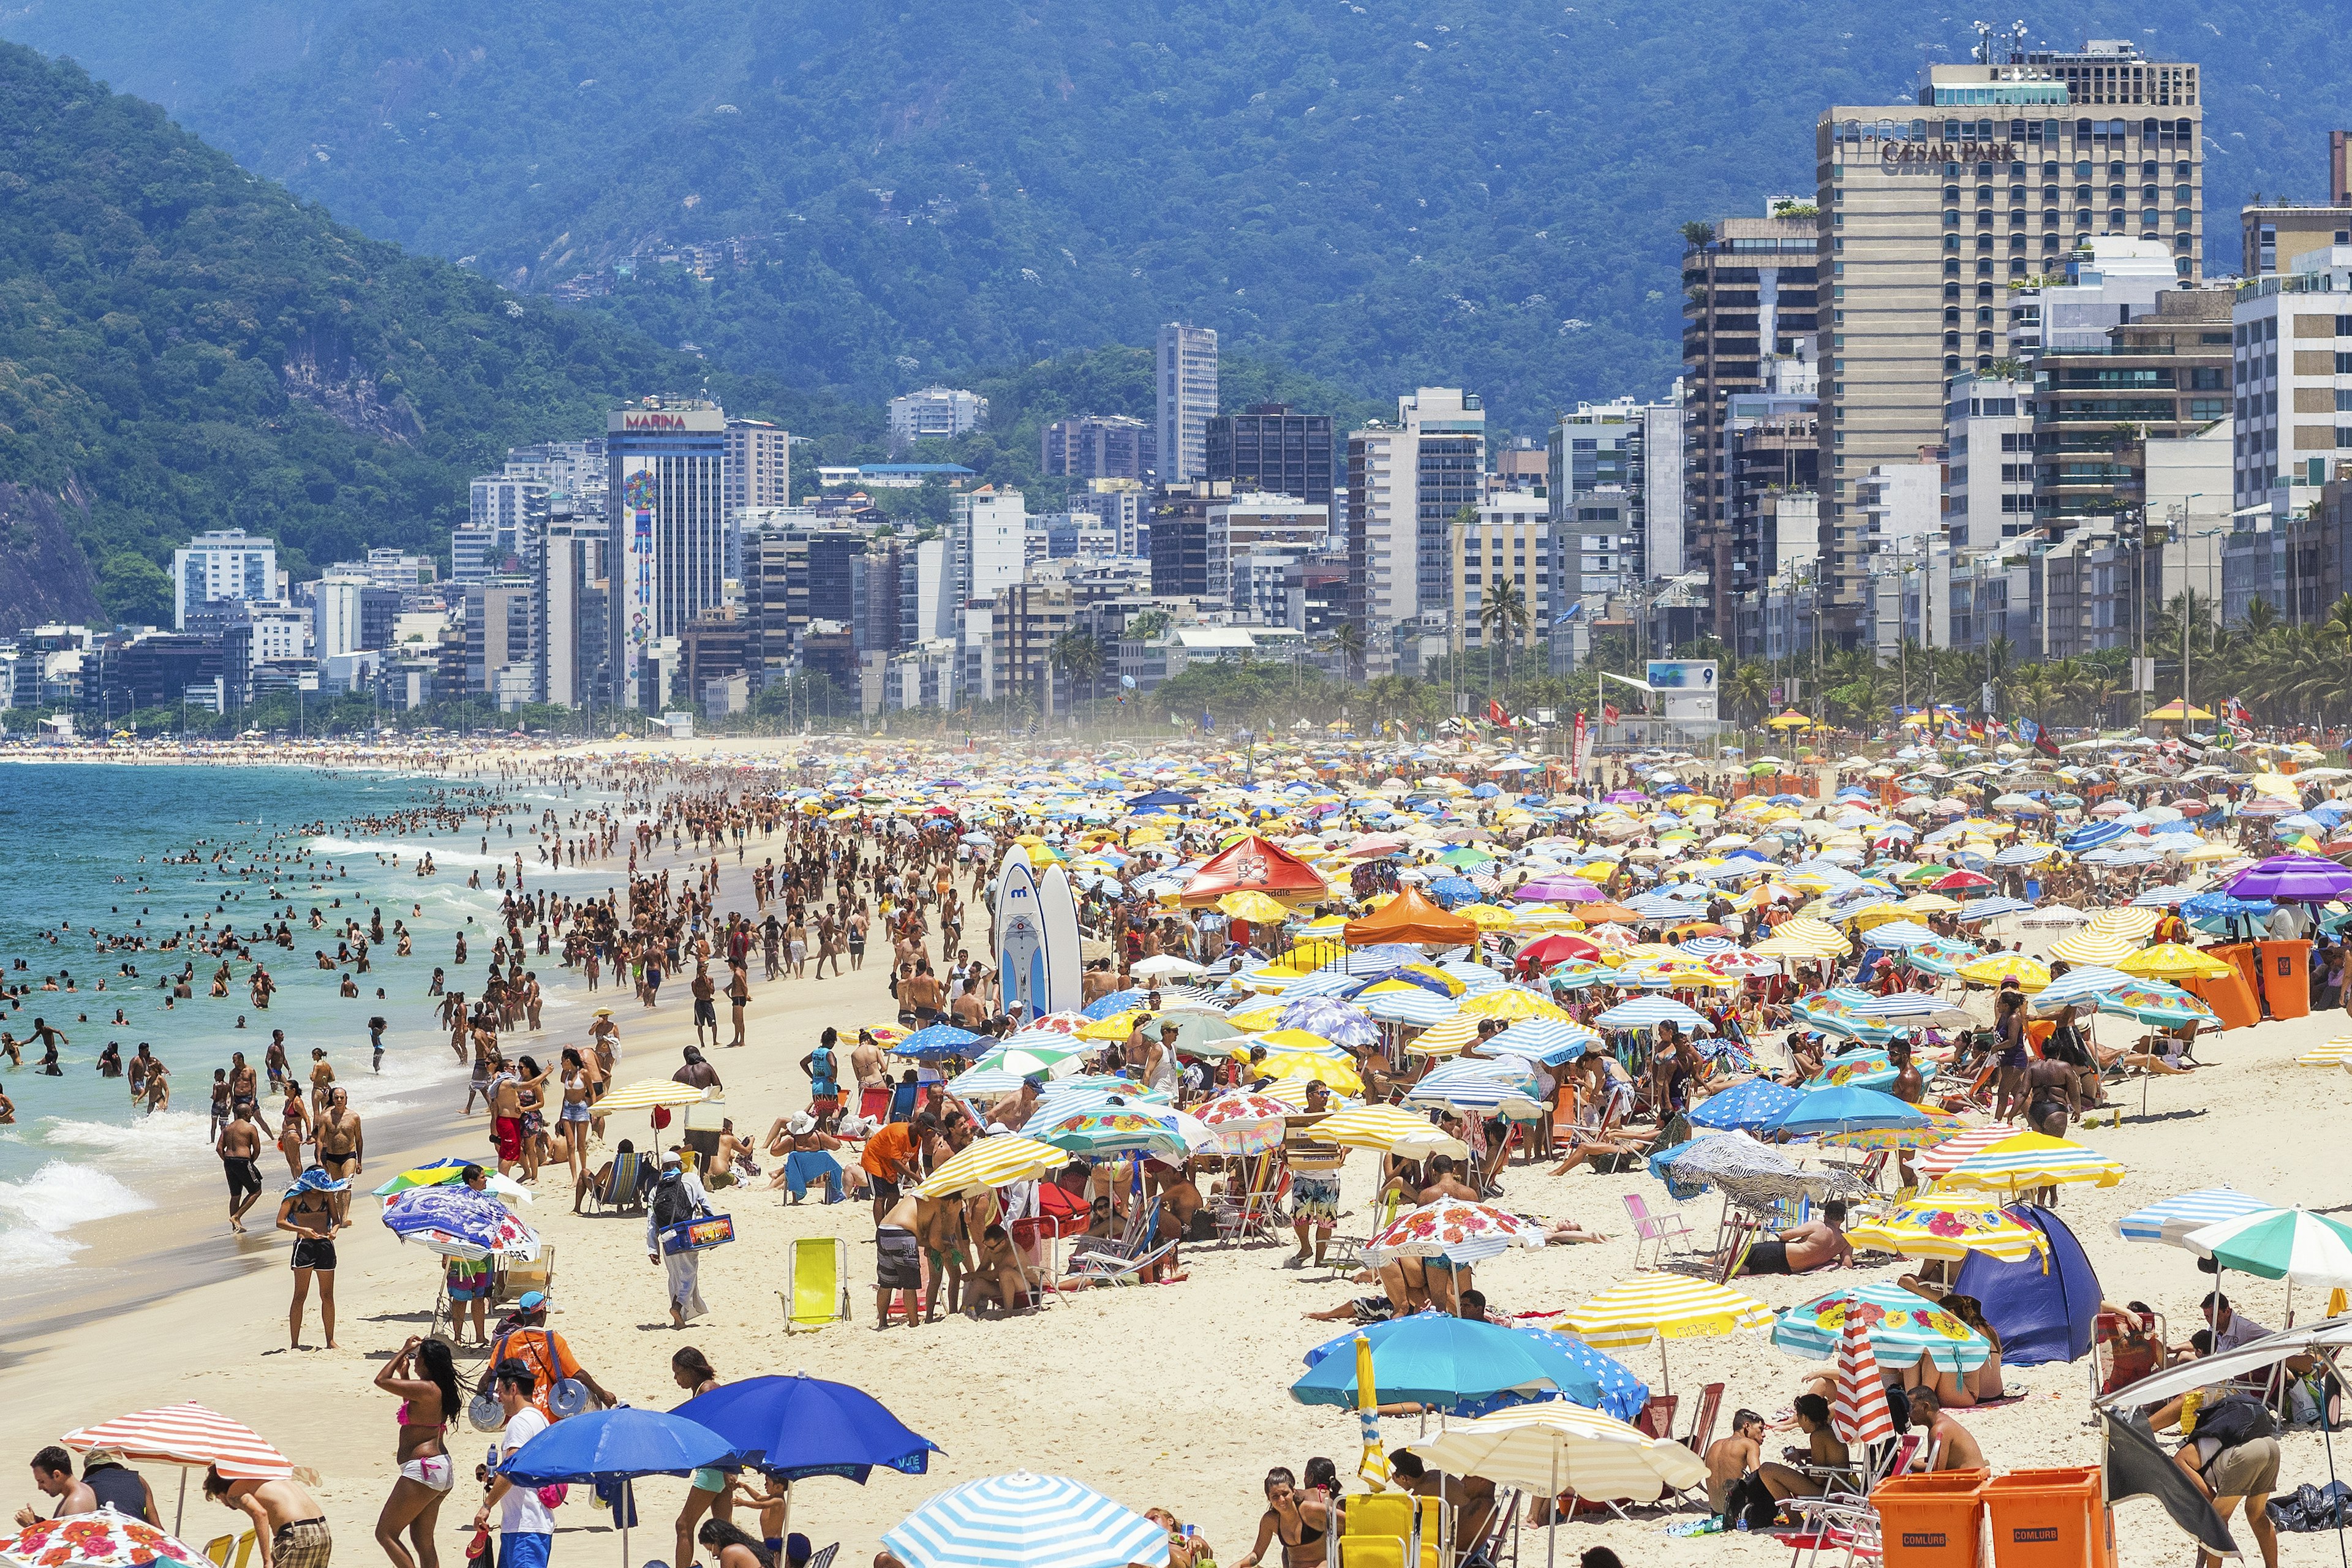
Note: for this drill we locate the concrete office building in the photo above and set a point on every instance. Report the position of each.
(665, 537)
(758, 474)
(2273, 234)
(1186, 385)
(502, 639)
(1931, 208)
(1268, 447)
(1405, 483)
(934, 413)
(1100, 446)
(510, 516)
(570, 612)
(990, 540)
(2163, 372)
(224, 564)
(2292, 347)
(1989, 439)
(1749, 295)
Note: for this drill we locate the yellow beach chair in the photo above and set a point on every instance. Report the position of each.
(816, 1284)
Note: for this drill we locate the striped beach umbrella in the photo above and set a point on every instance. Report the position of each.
(2335, 1053)
(1025, 1520)
(1556, 1447)
(1817, 936)
(1836, 1013)
(1509, 1002)
(1550, 1041)
(1662, 1307)
(2094, 946)
(1388, 1129)
(2031, 1160)
(1858, 1410)
(996, 1161)
(2279, 1244)
(1940, 1159)
(1648, 1012)
(648, 1093)
(2174, 1218)
(1902, 1327)
(2083, 982)
(1948, 1226)
(190, 1435)
(2175, 961)
(1410, 1004)
(1472, 1085)
(1444, 1037)
(1994, 968)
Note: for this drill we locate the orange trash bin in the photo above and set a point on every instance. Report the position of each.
(2050, 1518)
(2229, 996)
(2286, 977)
(1929, 1522)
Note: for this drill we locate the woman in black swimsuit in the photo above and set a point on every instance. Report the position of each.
(1296, 1519)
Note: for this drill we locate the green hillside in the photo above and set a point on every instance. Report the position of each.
(1374, 192)
(183, 345)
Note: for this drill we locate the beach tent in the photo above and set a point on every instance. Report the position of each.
(1410, 917)
(2043, 1311)
(1255, 865)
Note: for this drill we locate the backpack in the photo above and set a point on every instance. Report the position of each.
(670, 1202)
(2240, 1418)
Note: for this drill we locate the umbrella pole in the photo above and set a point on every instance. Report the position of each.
(180, 1513)
(788, 1510)
(1551, 1510)
(627, 1499)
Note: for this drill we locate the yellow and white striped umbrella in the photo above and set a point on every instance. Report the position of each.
(1557, 1447)
(1388, 1129)
(1509, 1002)
(992, 1163)
(1949, 1226)
(2130, 921)
(2033, 1160)
(2088, 946)
(1816, 934)
(1446, 1036)
(2335, 1053)
(648, 1094)
(2175, 961)
(1635, 1310)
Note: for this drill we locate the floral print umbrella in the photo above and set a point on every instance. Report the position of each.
(1903, 1327)
(100, 1540)
(1950, 1227)
(1458, 1231)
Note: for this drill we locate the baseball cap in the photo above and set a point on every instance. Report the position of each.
(530, 1300)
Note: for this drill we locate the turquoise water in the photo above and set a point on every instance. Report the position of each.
(86, 847)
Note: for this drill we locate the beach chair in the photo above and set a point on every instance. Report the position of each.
(625, 1189)
(519, 1277)
(1380, 1513)
(1347, 1252)
(1663, 1232)
(1371, 1551)
(1740, 1235)
(2115, 1362)
(1842, 1520)
(1657, 1417)
(824, 1556)
(218, 1548)
(816, 1284)
(1702, 1432)
(1126, 1261)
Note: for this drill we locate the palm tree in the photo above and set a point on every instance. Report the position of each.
(1697, 235)
(1504, 613)
(1347, 640)
(1077, 655)
(1747, 688)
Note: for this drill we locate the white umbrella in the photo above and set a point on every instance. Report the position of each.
(1563, 1447)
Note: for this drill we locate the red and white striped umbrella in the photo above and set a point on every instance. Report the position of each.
(1859, 1413)
(188, 1435)
(1938, 1160)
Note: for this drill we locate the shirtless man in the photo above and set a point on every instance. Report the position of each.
(922, 993)
(970, 1009)
(997, 1274)
(1800, 1250)
(339, 1147)
(898, 1268)
(1730, 1459)
(1908, 1086)
(869, 1067)
(938, 1227)
(1014, 1109)
(705, 1008)
(1956, 1446)
(239, 1148)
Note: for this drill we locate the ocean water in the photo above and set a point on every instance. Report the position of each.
(85, 847)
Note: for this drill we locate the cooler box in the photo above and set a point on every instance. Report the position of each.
(2286, 977)
(2231, 997)
(2050, 1518)
(1929, 1522)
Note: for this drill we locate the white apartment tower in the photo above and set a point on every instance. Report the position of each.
(1187, 385)
(225, 563)
(1406, 482)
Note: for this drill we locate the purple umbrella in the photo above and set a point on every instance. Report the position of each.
(1623, 797)
(1553, 890)
(2309, 879)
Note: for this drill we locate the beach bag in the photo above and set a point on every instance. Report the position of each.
(552, 1494)
(661, 1116)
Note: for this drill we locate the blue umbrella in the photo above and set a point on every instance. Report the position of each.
(1102, 1007)
(1452, 891)
(2091, 835)
(604, 1447)
(1845, 1108)
(1760, 1102)
(1581, 1374)
(798, 1426)
(1025, 1520)
(1646, 1011)
(935, 1040)
(1432, 1359)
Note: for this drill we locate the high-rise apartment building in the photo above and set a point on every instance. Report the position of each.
(1747, 311)
(990, 541)
(224, 564)
(934, 413)
(1638, 447)
(1267, 446)
(1100, 446)
(665, 535)
(570, 612)
(2292, 386)
(1930, 210)
(1187, 390)
(1405, 483)
(1989, 439)
(505, 518)
(759, 467)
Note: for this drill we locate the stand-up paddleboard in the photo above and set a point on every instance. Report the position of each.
(1065, 965)
(1020, 938)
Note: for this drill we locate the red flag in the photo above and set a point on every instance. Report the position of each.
(1495, 712)
(2044, 744)
(1609, 712)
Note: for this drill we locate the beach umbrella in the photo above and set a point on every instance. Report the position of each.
(1747, 1107)
(1433, 1358)
(458, 1222)
(1473, 1084)
(1563, 1447)
(1342, 1023)
(2083, 982)
(795, 1427)
(2312, 879)
(619, 1445)
(993, 1161)
(1056, 1057)
(1836, 1013)
(1902, 1327)
(1509, 1002)
(2162, 1006)
(1550, 1041)
(648, 1094)
(1663, 1307)
(101, 1539)
(1246, 1123)
(2335, 1053)
(935, 1040)
(448, 1171)
(1845, 1108)
(1942, 1155)
(2093, 946)
(1444, 1037)
(2279, 1244)
(1858, 1409)
(2031, 1160)
(1339, 1076)
(1647, 1012)
(2174, 1218)
(190, 1436)
(1391, 1130)
(1816, 936)
(1161, 966)
(1948, 1226)
(1101, 1131)
(1577, 1371)
(1911, 1007)
(1410, 1004)
(1451, 1228)
(1994, 968)
(2175, 961)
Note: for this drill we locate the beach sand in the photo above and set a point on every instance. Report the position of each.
(1170, 1394)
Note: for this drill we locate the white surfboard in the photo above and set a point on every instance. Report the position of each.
(1057, 907)
(1020, 938)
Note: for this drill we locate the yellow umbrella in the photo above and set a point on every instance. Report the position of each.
(1445, 1036)
(1251, 905)
(1509, 1002)
(1250, 1020)
(1388, 1129)
(1994, 968)
(1663, 1307)
(648, 1094)
(992, 1162)
(2033, 1160)
(2088, 946)
(1487, 917)
(1117, 1027)
(1946, 1226)
(1930, 904)
(1283, 1041)
(1818, 935)
(2174, 960)
(2133, 923)
(1338, 1075)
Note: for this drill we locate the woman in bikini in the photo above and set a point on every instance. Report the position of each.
(1299, 1521)
(710, 1491)
(293, 1128)
(576, 1081)
(426, 1379)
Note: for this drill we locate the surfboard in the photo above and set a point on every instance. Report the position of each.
(1020, 938)
(1058, 910)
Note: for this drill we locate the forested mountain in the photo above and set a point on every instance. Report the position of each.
(1376, 191)
(184, 346)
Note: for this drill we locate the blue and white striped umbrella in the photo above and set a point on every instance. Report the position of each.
(1025, 1520)
(1993, 908)
(1415, 1006)
(1905, 1005)
(2025, 855)
(1648, 1012)
(2175, 1217)
(1321, 983)
(2083, 982)
(1473, 1086)
(1550, 1041)
(1705, 946)
(1898, 933)
(1657, 907)
(2090, 836)
(2161, 898)
(1475, 977)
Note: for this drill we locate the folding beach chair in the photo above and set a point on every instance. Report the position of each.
(625, 1189)
(1347, 1252)
(816, 1284)
(519, 1277)
(1127, 1260)
(1662, 1233)
(1702, 1432)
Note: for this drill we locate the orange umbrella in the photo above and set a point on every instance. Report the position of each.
(1410, 917)
(1606, 914)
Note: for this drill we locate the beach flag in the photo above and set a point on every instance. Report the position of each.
(1496, 713)
(1374, 1465)
(1859, 1414)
